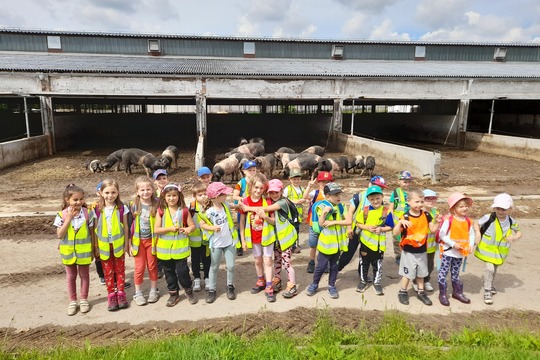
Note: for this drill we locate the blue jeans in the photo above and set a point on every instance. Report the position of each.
(216, 254)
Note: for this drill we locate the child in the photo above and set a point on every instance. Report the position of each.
(143, 241)
(241, 191)
(332, 238)
(112, 242)
(430, 200)
(399, 205)
(204, 175)
(295, 192)
(314, 196)
(494, 238)
(199, 251)
(414, 227)
(75, 224)
(218, 226)
(259, 234)
(374, 221)
(457, 241)
(173, 224)
(286, 236)
(161, 179)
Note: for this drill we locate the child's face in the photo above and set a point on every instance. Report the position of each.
(502, 213)
(295, 181)
(171, 198)
(161, 181)
(221, 198)
(322, 183)
(416, 202)
(274, 195)
(201, 197)
(404, 184)
(430, 202)
(145, 191)
(334, 199)
(109, 193)
(76, 201)
(250, 172)
(258, 189)
(461, 208)
(375, 200)
(205, 179)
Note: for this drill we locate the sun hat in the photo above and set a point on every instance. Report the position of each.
(373, 190)
(457, 197)
(173, 186)
(217, 188)
(275, 185)
(332, 189)
(379, 181)
(204, 171)
(295, 173)
(430, 193)
(324, 176)
(249, 164)
(405, 175)
(503, 201)
(159, 172)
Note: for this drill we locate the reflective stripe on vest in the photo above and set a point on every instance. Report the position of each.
(76, 247)
(172, 245)
(333, 239)
(293, 195)
(285, 231)
(268, 235)
(117, 235)
(195, 237)
(375, 242)
(400, 204)
(431, 238)
(357, 212)
(207, 234)
(136, 240)
(492, 250)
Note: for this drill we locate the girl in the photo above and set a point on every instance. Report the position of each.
(112, 233)
(259, 234)
(74, 227)
(173, 224)
(457, 241)
(218, 228)
(286, 234)
(199, 251)
(241, 191)
(143, 241)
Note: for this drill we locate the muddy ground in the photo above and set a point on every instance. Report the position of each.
(30, 266)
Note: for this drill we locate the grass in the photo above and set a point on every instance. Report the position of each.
(393, 338)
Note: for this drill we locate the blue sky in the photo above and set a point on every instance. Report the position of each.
(425, 20)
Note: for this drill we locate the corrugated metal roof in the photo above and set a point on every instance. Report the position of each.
(290, 68)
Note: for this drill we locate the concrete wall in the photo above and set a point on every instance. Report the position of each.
(421, 163)
(520, 148)
(19, 151)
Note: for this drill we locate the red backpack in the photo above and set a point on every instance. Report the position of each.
(448, 217)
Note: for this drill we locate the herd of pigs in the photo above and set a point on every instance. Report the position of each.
(309, 161)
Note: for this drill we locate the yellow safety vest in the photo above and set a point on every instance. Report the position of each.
(76, 247)
(333, 239)
(268, 234)
(207, 235)
(400, 204)
(172, 245)
(494, 249)
(293, 195)
(285, 231)
(431, 238)
(117, 235)
(375, 242)
(136, 239)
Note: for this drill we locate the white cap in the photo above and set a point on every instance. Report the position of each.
(503, 201)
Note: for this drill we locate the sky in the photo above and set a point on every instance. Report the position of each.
(407, 20)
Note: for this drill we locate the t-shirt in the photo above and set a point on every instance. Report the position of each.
(284, 205)
(254, 220)
(418, 228)
(218, 217)
(77, 221)
(144, 222)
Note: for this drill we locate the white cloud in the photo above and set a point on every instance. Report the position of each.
(263, 10)
(308, 31)
(440, 13)
(473, 17)
(367, 6)
(125, 6)
(246, 28)
(356, 27)
(385, 31)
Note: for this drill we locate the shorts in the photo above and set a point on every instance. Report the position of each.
(259, 250)
(313, 238)
(413, 265)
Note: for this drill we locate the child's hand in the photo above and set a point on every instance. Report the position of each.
(350, 232)
(183, 231)
(312, 183)
(510, 239)
(261, 213)
(217, 228)
(405, 223)
(244, 246)
(438, 218)
(328, 223)
(371, 228)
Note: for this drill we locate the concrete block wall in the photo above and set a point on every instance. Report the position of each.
(521, 148)
(18, 151)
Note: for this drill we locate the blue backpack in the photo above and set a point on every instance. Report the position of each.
(315, 217)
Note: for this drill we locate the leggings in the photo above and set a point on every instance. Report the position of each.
(114, 268)
(489, 275)
(143, 260)
(283, 259)
(452, 265)
(71, 278)
(375, 259)
(198, 255)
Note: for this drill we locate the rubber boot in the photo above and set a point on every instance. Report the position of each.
(457, 292)
(442, 295)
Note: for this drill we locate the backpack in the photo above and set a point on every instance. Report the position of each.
(315, 217)
(121, 210)
(449, 217)
(384, 214)
(295, 216)
(487, 224)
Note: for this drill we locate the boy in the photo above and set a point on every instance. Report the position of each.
(160, 180)
(374, 221)
(241, 191)
(204, 175)
(398, 205)
(332, 238)
(414, 227)
(199, 254)
(430, 200)
(295, 193)
(323, 178)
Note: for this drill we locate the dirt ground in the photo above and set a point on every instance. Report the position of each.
(33, 310)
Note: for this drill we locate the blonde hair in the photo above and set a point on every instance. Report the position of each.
(415, 191)
(104, 184)
(136, 208)
(258, 177)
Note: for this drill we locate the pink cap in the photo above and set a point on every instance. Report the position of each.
(217, 188)
(457, 197)
(275, 185)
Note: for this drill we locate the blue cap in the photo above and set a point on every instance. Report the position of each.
(405, 175)
(430, 193)
(204, 171)
(249, 164)
(98, 187)
(159, 172)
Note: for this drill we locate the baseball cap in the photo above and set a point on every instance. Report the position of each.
(159, 172)
(379, 181)
(373, 190)
(249, 164)
(98, 187)
(324, 176)
(217, 188)
(503, 201)
(275, 185)
(204, 171)
(457, 197)
(295, 173)
(430, 193)
(332, 189)
(405, 175)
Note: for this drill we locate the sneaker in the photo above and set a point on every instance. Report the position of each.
(85, 306)
(207, 284)
(276, 284)
(422, 296)
(112, 300)
(122, 300)
(378, 289)
(296, 250)
(139, 299)
(191, 297)
(160, 273)
(102, 281)
(493, 291)
(174, 298)
(127, 285)
(72, 308)
(428, 286)
(291, 291)
(153, 296)
(334, 294)
(270, 295)
(398, 260)
(311, 266)
(362, 286)
(312, 289)
(231, 294)
(260, 285)
(197, 285)
(239, 251)
(487, 298)
(403, 297)
(210, 296)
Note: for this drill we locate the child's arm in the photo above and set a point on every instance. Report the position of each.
(267, 217)
(127, 243)
(517, 235)
(401, 224)
(242, 232)
(478, 235)
(350, 214)
(190, 225)
(267, 208)
(309, 186)
(434, 224)
(62, 230)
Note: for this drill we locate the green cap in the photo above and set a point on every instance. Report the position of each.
(373, 190)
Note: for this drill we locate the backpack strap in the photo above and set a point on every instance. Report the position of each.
(487, 224)
(185, 211)
(356, 200)
(243, 184)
